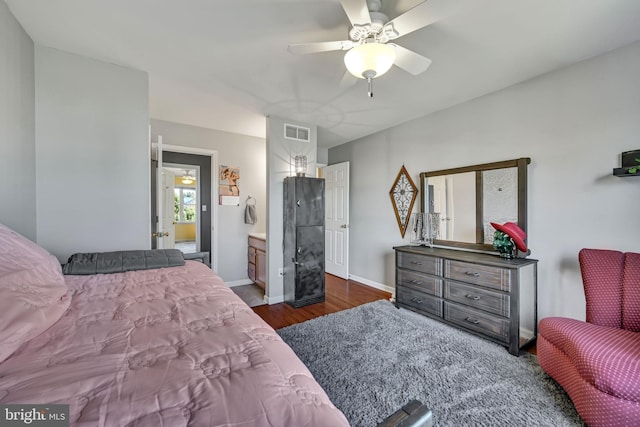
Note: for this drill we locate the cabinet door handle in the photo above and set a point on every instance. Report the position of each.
(416, 300)
(471, 273)
(473, 297)
(471, 320)
(416, 282)
(416, 262)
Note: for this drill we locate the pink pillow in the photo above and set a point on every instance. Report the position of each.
(33, 293)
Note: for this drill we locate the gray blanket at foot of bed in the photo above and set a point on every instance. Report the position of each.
(120, 261)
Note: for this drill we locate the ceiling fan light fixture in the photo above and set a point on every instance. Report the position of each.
(187, 179)
(370, 60)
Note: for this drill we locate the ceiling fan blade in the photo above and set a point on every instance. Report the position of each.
(357, 11)
(410, 61)
(426, 13)
(304, 48)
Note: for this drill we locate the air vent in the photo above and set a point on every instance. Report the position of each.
(297, 133)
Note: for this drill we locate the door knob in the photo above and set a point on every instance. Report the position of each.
(344, 226)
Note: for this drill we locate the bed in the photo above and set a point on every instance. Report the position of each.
(158, 347)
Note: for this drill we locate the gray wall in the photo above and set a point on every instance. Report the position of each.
(323, 156)
(17, 127)
(280, 158)
(249, 154)
(573, 123)
(92, 150)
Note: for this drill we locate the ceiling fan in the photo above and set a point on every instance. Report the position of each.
(369, 52)
(187, 178)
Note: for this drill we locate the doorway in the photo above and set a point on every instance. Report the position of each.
(181, 212)
(204, 162)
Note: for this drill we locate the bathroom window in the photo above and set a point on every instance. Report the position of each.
(185, 204)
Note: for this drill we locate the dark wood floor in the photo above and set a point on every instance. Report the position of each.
(340, 295)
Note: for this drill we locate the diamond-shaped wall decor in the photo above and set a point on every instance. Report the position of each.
(403, 194)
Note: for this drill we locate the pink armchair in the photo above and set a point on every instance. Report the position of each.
(597, 362)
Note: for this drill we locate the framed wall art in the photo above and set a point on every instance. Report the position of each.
(229, 186)
(403, 194)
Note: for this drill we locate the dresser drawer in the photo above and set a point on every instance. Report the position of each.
(489, 276)
(419, 300)
(429, 284)
(251, 255)
(476, 297)
(475, 320)
(421, 263)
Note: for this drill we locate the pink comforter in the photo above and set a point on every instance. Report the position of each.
(165, 347)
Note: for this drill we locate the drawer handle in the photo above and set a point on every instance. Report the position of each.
(416, 282)
(416, 262)
(473, 297)
(471, 320)
(471, 273)
(416, 300)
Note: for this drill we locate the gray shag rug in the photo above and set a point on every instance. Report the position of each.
(373, 359)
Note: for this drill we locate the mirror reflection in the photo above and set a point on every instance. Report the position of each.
(453, 197)
(499, 199)
(467, 200)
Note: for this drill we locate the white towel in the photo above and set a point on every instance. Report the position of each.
(250, 214)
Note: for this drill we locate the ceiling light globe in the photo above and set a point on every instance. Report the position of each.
(370, 59)
(187, 178)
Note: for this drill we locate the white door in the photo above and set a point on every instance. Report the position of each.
(157, 211)
(168, 210)
(337, 219)
(162, 231)
(439, 185)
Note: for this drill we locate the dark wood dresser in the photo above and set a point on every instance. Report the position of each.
(484, 294)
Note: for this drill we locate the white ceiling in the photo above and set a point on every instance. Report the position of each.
(224, 64)
(181, 171)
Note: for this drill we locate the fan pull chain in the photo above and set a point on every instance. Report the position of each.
(370, 87)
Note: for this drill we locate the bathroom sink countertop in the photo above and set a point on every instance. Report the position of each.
(262, 236)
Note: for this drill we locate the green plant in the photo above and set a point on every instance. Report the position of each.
(503, 244)
(634, 169)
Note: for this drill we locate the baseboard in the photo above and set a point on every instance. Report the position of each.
(373, 284)
(241, 282)
(274, 300)
(524, 332)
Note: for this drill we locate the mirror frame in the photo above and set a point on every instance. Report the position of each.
(520, 164)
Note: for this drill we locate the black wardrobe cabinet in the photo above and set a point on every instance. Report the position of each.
(303, 241)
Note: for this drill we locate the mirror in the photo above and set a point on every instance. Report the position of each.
(467, 199)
